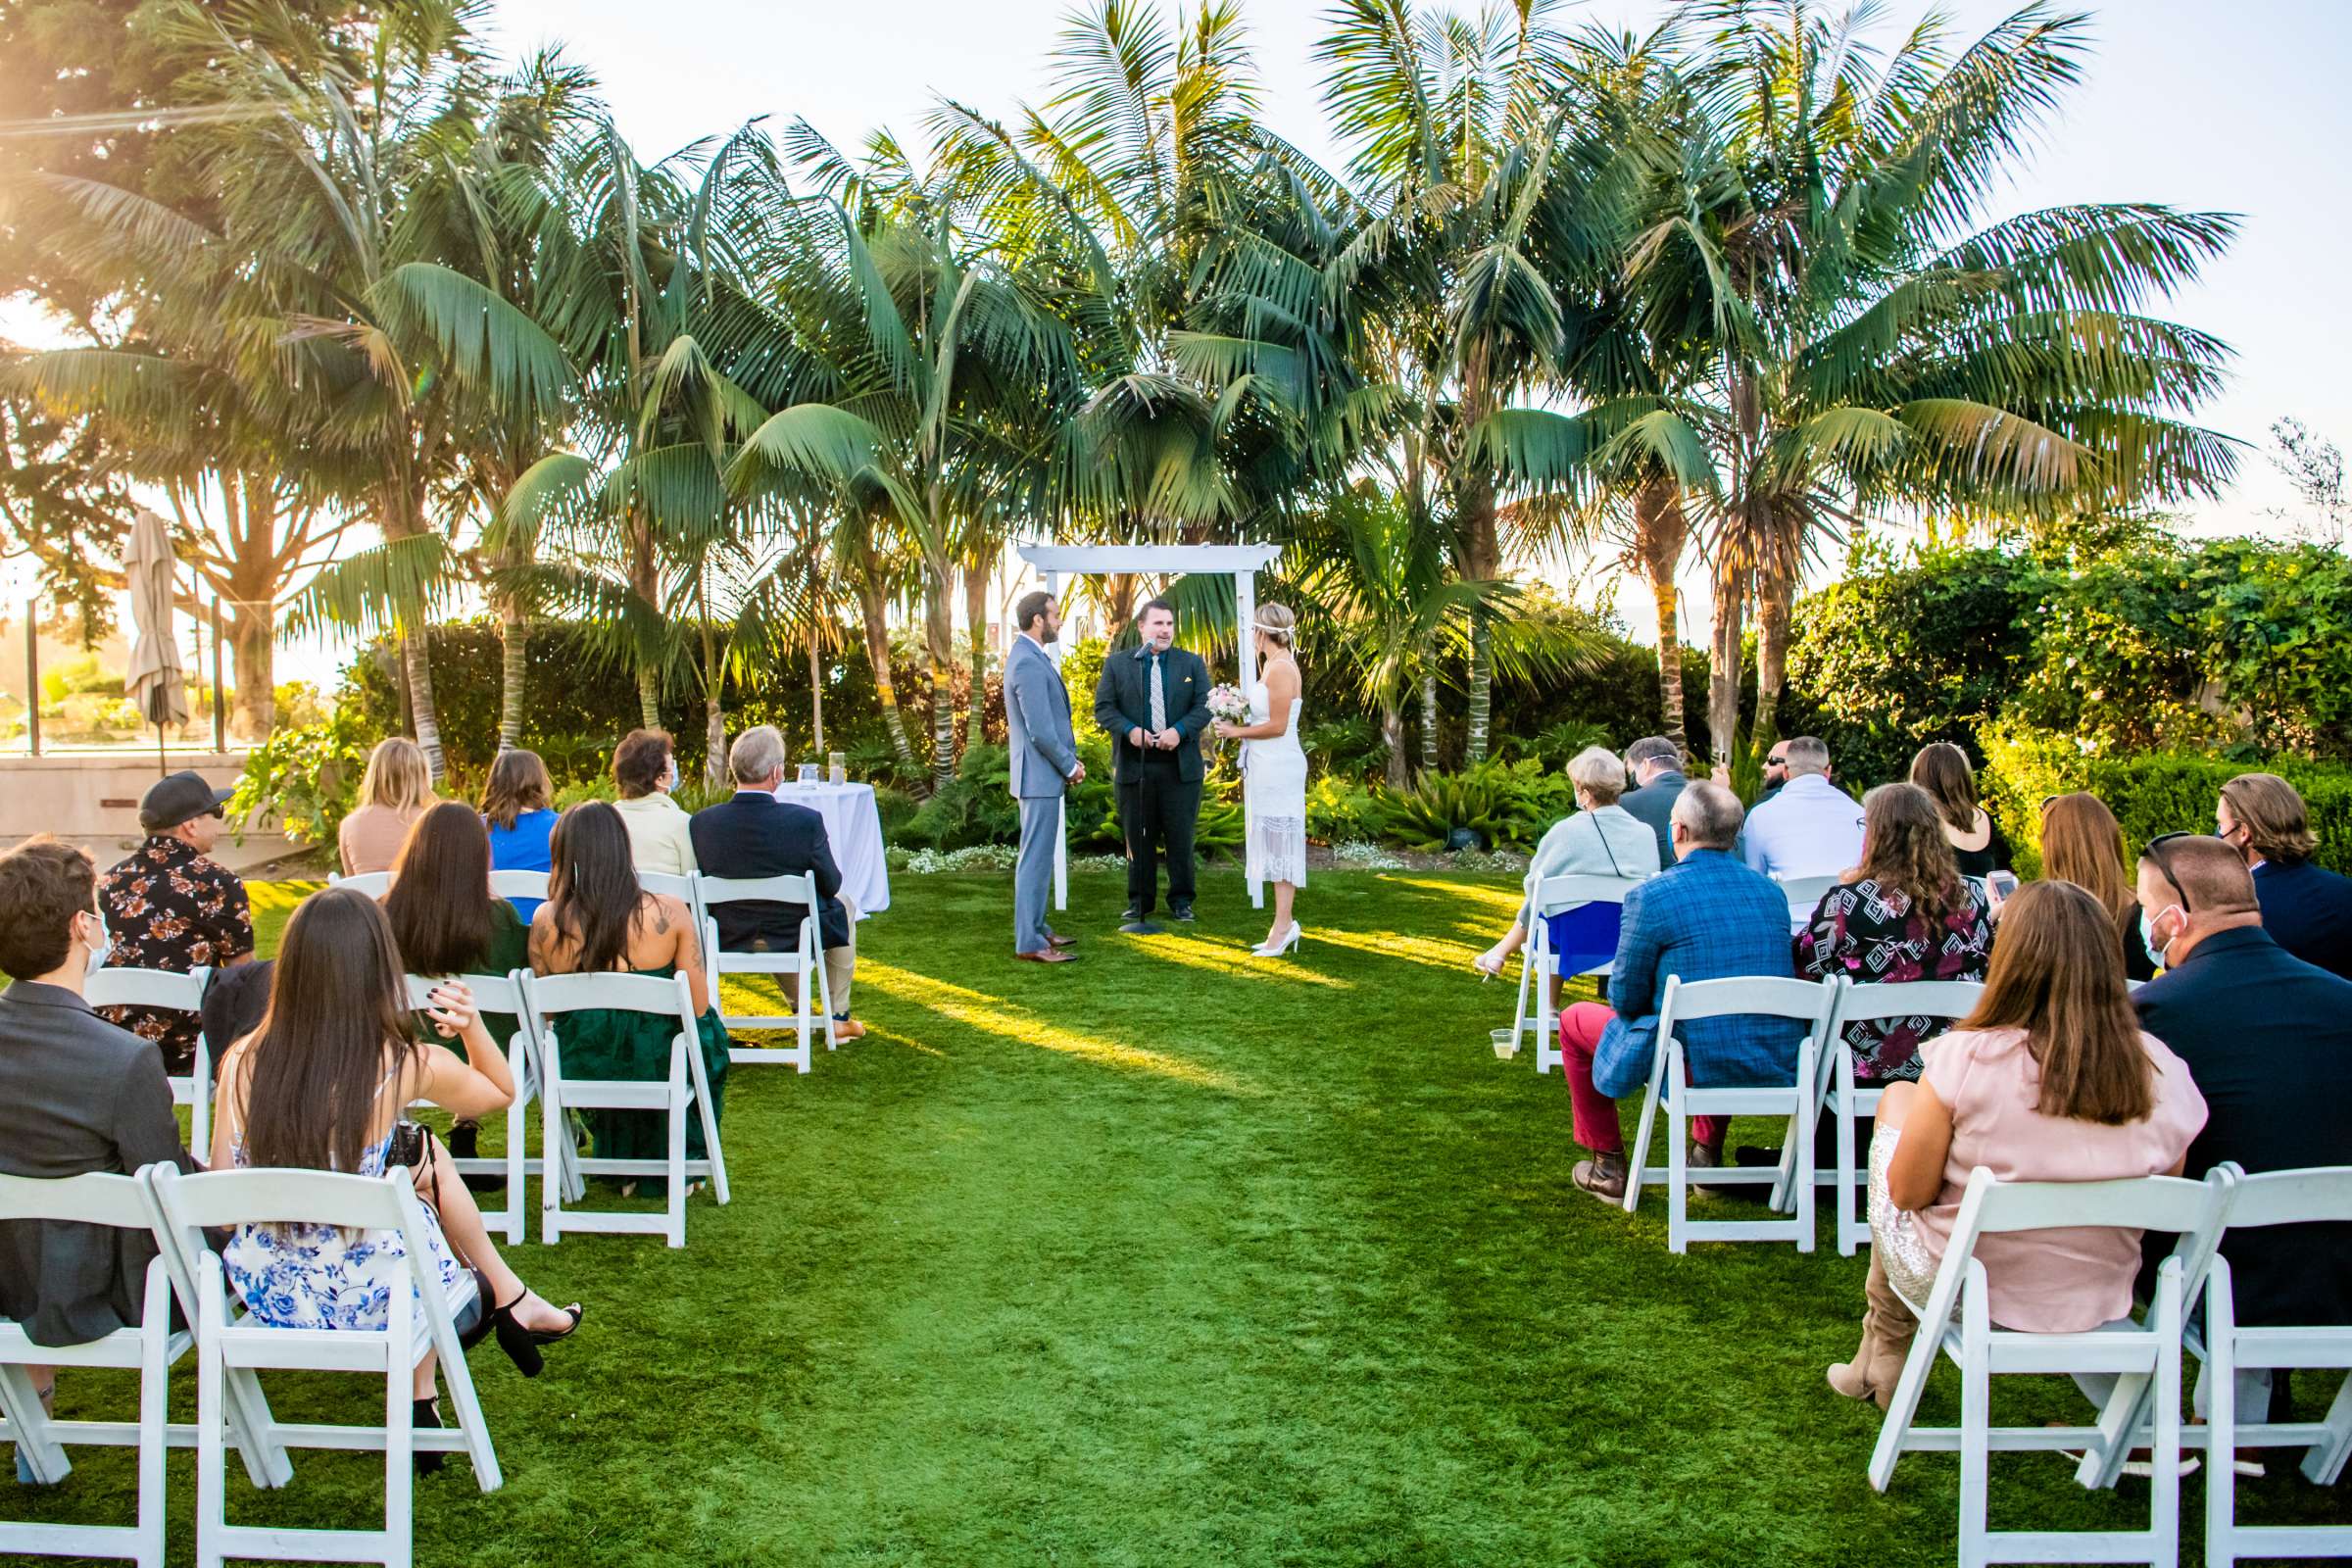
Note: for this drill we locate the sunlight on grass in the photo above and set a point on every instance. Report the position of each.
(1504, 902)
(1433, 953)
(278, 899)
(1229, 958)
(975, 1009)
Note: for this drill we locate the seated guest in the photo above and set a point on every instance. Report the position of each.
(517, 810)
(2051, 1079)
(1706, 917)
(2081, 844)
(2306, 909)
(1811, 827)
(393, 794)
(598, 920)
(645, 765)
(756, 835)
(77, 1094)
(445, 922)
(2269, 1038)
(1943, 771)
(1904, 914)
(170, 906)
(1656, 764)
(1599, 838)
(324, 1085)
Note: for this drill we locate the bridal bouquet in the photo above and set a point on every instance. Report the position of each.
(1227, 704)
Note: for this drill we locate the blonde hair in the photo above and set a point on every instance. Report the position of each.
(1277, 623)
(2277, 827)
(1597, 771)
(397, 777)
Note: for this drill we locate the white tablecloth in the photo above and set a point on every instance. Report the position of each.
(854, 827)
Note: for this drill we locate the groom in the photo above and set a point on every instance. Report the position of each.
(1154, 702)
(1044, 762)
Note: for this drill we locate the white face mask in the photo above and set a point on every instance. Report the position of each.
(2147, 933)
(105, 945)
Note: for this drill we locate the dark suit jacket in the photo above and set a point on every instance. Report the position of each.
(756, 835)
(2308, 910)
(1123, 702)
(2268, 1039)
(1653, 803)
(77, 1094)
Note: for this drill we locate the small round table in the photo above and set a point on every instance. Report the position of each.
(853, 827)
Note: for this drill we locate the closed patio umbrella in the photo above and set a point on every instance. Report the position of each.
(157, 684)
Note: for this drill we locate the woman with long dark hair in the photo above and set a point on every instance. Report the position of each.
(598, 920)
(323, 1085)
(1941, 769)
(2082, 842)
(2049, 1080)
(1904, 914)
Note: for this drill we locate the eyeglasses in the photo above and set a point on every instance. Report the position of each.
(2155, 853)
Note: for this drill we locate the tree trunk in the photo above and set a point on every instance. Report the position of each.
(514, 673)
(817, 695)
(975, 615)
(1660, 531)
(1670, 663)
(715, 715)
(1480, 554)
(648, 697)
(1392, 733)
(1118, 604)
(1775, 588)
(1429, 722)
(939, 641)
(253, 644)
(873, 612)
(1723, 663)
(426, 717)
(1481, 686)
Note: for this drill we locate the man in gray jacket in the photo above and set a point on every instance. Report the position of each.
(1044, 762)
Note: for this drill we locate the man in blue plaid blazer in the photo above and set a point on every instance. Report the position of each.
(1706, 917)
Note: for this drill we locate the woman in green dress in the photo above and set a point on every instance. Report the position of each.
(598, 920)
(446, 922)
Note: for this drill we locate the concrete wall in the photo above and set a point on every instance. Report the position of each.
(94, 799)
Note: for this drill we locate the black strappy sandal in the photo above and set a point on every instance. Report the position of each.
(521, 1343)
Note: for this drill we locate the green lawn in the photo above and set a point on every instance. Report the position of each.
(1173, 1256)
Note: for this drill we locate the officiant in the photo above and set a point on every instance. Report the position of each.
(1152, 701)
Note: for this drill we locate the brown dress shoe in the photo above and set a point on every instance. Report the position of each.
(1055, 940)
(1603, 1177)
(1048, 956)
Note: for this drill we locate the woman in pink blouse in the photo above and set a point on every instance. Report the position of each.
(2049, 1080)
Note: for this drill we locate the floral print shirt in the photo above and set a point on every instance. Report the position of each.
(169, 908)
(1873, 937)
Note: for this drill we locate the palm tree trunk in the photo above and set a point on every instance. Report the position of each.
(253, 641)
(1723, 665)
(975, 615)
(939, 641)
(1118, 604)
(1481, 557)
(1670, 663)
(1481, 686)
(873, 612)
(425, 715)
(514, 676)
(714, 717)
(1776, 590)
(1660, 530)
(1392, 733)
(1429, 722)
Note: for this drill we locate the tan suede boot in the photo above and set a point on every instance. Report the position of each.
(1887, 1327)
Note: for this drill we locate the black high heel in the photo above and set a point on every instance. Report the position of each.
(427, 1413)
(521, 1345)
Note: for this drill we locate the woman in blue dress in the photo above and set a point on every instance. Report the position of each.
(323, 1085)
(518, 811)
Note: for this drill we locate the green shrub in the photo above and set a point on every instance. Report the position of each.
(1506, 804)
(1341, 811)
(306, 776)
(2149, 793)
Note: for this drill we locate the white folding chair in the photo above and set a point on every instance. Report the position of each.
(686, 1087)
(503, 993)
(375, 884)
(1834, 1080)
(1556, 895)
(1754, 997)
(518, 885)
(182, 992)
(675, 886)
(804, 961)
(419, 1322)
(1804, 897)
(121, 1203)
(2272, 1197)
(2148, 1350)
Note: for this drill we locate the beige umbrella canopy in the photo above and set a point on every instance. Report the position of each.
(158, 682)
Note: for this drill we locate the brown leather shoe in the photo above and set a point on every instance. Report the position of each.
(1048, 956)
(1057, 941)
(1603, 1177)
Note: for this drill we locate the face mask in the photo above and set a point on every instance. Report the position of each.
(105, 945)
(670, 778)
(2147, 934)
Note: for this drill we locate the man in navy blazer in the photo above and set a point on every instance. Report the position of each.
(756, 835)
(1152, 701)
(2306, 909)
(2268, 1039)
(1706, 917)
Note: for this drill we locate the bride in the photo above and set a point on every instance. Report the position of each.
(1274, 775)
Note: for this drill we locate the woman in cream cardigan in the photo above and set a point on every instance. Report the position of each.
(645, 765)
(1601, 838)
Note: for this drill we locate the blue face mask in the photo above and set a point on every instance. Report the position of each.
(106, 944)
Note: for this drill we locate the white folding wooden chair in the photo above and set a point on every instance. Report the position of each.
(686, 1087)
(419, 1322)
(2148, 1350)
(182, 992)
(2272, 1197)
(375, 884)
(518, 885)
(503, 993)
(1754, 997)
(1556, 895)
(1834, 1080)
(1804, 897)
(805, 959)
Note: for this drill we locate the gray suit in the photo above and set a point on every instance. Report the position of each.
(77, 1094)
(1045, 754)
(1653, 803)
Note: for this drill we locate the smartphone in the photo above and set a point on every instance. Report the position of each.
(2002, 883)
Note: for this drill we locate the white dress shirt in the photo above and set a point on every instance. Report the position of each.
(1811, 828)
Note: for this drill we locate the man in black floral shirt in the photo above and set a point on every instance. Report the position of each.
(170, 906)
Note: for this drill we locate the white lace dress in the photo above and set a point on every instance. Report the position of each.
(1274, 787)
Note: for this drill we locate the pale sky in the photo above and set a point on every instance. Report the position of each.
(2237, 108)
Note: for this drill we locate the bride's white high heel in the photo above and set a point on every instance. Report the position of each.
(1275, 949)
(1490, 963)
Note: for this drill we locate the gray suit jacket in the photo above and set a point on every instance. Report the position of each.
(77, 1094)
(1037, 723)
(1653, 803)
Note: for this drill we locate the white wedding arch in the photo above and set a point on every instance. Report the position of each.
(1241, 562)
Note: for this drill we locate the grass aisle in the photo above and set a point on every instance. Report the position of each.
(1172, 1257)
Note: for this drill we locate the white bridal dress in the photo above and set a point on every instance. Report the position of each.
(1274, 787)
